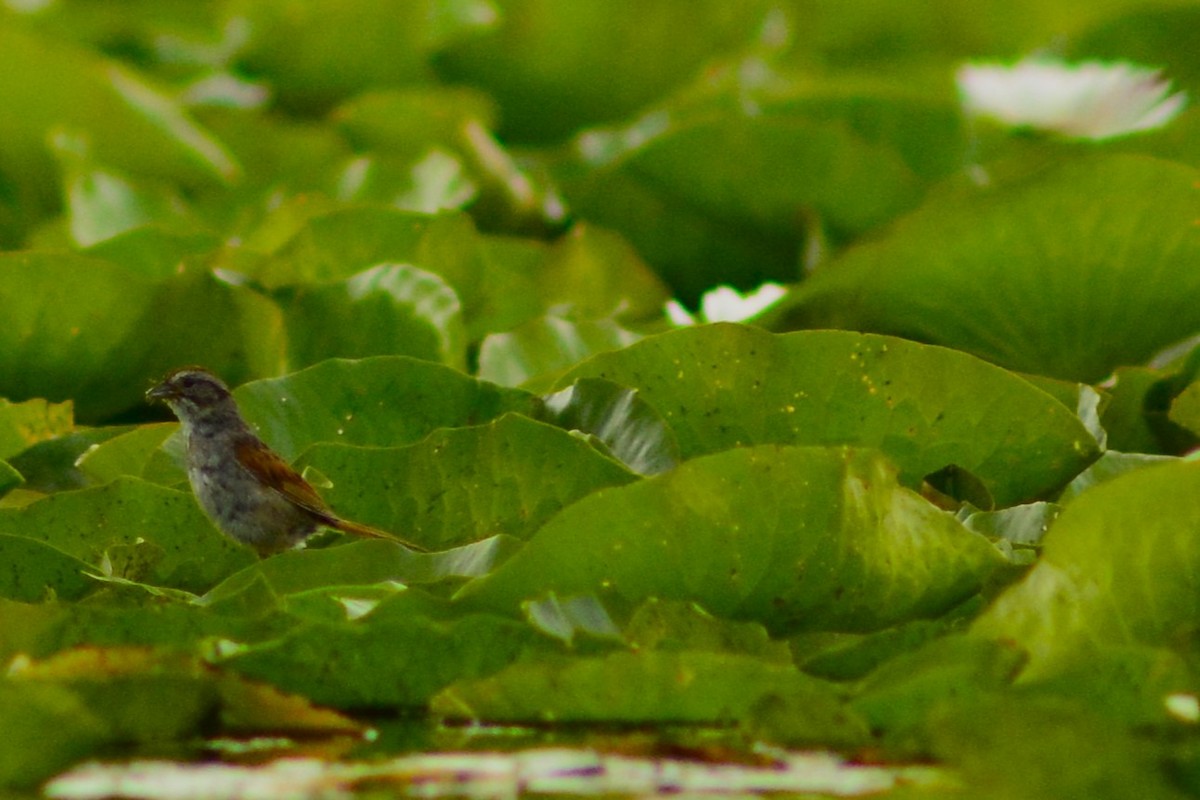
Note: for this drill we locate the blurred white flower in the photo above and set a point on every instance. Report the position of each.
(726, 304)
(1090, 100)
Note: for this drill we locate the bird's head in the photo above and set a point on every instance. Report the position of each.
(194, 394)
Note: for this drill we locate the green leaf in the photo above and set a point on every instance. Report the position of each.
(1019, 273)
(391, 657)
(335, 245)
(899, 697)
(379, 401)
(52, 465)
(100, 203)
(461, 484)
(498, 286)
(142, 696)
(390, 309)
(672, 687)
(1046, 747)
(1157, 36)
(9, 478)
(318, 53)
(845, 657)
(1110, 465)
(595, 273)
(154, 251)
(1128, 416)
(575, 621)
(1185, 408)
(370, 565)
(149, 532)
(738, 219)
(46, 628)
(137, 453)
(69, 330)
(1119, 568)
(676, 626)
(721, 386)
(732, 532)
(554, 69)
(1023, 525)
(57, 729)
(539, 350)
(51, 83)
(629, 427)
(23, 425)
(35, 571)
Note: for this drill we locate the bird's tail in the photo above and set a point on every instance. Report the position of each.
(358, 529)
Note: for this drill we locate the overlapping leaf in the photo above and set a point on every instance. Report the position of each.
(94, 331)
(142, 530)
(1119, 568)
(389, 309)
(724, 386)
(462, 484)
(377, 401)
(793, 537)
(1071, 271)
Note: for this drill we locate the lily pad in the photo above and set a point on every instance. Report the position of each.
(1020, 272)
(23, 425)
(390, 658)
(673, 687)
(725, 385)
(389, 309)
(378, 401)
(36, 571)
(629, 427)
(538, 351)
(462, 484)
(1119, 568)
(160, 534)
(69, 331)
(797, 538)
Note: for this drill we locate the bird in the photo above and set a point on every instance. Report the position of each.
(247, 489)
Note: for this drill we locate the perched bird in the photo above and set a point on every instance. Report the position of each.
(248, 490)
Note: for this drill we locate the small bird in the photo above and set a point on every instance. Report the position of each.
(248, 490)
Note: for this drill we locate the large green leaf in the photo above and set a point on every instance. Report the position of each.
(541, 349)
(35, 571)
(138, 453)
(794, 537)
(141, 531)
(555, 68)
(392, 657)
(672, 687)
(723, 386)
(461, 484)
(319, 52)
(25, 424)
(1070, 271)
(1119, 567)
(94, 331)
(741, 219)
(629, 427)
(48, 83)
(56, 728)
(498, 288)
(389, 309)
(379, 401)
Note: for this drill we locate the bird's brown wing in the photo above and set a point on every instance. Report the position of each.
(262, 462)
(271, 470)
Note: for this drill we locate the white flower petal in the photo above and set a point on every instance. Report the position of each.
(1090, 100)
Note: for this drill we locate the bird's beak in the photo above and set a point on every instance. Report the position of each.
(162, 391)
